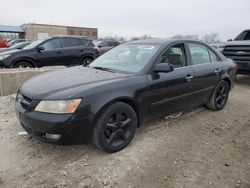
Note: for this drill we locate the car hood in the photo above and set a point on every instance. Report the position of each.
(67, 79)
(8, 51)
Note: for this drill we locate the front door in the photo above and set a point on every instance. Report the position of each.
(51, 53)
(171, 92)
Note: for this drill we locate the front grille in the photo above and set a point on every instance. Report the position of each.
(239, 53)
(24, 100)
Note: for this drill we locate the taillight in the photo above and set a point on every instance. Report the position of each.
(98, 49)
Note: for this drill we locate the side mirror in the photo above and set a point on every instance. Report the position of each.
(100, 45)
(229, 40)
(163, 67)
(40, 48)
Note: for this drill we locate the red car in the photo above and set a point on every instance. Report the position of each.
(3, 44)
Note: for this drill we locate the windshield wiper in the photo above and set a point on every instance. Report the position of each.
(104, 69)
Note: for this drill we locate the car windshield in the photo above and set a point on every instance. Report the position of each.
(131, 58)
(33, 44)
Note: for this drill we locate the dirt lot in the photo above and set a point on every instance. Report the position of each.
(199, 149)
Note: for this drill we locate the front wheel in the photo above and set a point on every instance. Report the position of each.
(86, 61)
(23, 64)
(115, 127)
(220, 96)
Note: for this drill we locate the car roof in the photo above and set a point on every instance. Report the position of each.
(69, 36)
(160, 41)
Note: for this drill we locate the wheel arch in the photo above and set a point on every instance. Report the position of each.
(127, 100)
(91, 56)
(29, 60)
(227, 79)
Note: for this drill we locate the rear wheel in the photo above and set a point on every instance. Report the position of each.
(23, 64)
(86, 61)
(220, 96)
(115, 127)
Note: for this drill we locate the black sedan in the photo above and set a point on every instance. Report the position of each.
(133, 82)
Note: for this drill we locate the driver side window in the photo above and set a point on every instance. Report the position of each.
(52, 44)
(174, 55)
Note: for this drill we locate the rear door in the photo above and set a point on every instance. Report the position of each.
(207, 68)
(51, 54)
(171, 92)
(73, 48)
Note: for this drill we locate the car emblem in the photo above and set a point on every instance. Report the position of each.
(240, 53)
(20, 98)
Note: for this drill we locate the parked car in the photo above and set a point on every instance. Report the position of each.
(244, 35)
(3, 44)
(131, 83)
(16, 41)
(19, 46)
(106, 45)
(239, 51)
(63, 50)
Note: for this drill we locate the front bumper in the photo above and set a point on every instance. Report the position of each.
(68, 126)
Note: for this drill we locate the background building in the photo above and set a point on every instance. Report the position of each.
(33, 31)
(11, 32)
(39, 31)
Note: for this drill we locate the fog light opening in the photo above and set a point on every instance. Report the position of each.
(53, 136)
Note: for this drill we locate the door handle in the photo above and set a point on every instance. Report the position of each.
(189, 77)
(217, 71)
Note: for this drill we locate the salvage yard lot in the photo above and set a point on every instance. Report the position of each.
(201, 148)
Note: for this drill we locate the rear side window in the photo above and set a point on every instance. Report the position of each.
(91, 44)
(199, 54)
(72, 42)
(213, 56)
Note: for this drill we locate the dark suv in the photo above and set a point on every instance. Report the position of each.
(53, 51)
(239, 51)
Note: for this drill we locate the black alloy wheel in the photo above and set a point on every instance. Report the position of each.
(220, 96)
(86, 61)
(115, 128)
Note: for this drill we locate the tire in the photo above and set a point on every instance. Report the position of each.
(115, 127)
(219, 97)
(23, 64)
(86, 61)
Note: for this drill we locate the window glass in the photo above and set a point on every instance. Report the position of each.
(52, 44)
(241, 36)
(213, 56)
(111, 43)
(104, 44)
(130, 58)
(247, 36)
(199, 54)
(175, 56)
(71, 42)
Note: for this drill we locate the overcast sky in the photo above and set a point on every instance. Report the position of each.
(127, 18)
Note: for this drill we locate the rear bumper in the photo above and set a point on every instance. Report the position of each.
(67, 126)
(243, 67)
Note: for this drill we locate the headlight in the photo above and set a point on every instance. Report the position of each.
(58, 106)
(4, 56)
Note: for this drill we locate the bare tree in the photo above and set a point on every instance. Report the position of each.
(211, 38)
(193, 37)
(142, 37)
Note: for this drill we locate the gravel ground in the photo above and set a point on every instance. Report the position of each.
(201, 148)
